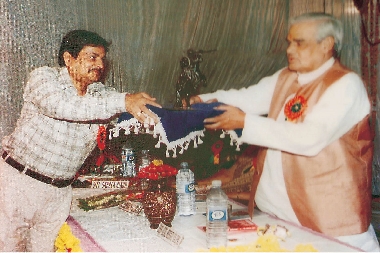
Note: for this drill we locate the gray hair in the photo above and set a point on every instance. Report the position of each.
(327, 26)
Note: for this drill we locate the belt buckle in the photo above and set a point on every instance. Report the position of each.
(4, 155)
(24, 170)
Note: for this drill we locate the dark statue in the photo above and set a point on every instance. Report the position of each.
(190, 79)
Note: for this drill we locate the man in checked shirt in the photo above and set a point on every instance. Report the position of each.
(63, 109)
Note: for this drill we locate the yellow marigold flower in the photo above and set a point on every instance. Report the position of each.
(157, 162)
(305, 248)
(66, 241)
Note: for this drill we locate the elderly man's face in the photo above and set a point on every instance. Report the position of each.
(304, 53)
(87, 68)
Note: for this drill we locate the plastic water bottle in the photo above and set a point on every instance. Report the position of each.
(185, 190)
(143, 160)
(217, 216)
(128, 161)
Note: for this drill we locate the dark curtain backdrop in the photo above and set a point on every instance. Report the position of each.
(150, 37)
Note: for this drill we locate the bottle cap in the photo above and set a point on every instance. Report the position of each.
(184, 164)
(216, 183)
(126, 145)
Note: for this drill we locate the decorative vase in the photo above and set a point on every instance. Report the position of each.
(160, 203)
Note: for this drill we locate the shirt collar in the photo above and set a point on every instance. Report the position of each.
(65, 78)
(311, 76)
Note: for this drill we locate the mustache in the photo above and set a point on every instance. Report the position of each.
(100, 70)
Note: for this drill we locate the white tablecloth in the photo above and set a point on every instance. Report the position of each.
(116, 230)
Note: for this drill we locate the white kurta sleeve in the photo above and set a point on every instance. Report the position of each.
(342, 106)
(255, 99)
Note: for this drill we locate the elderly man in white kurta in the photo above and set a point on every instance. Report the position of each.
(314, 168)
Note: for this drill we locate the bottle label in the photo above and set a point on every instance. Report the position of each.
(189, 188)
(128, 161)
(217, 214)
(131, 157)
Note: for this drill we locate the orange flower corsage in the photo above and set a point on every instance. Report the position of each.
(295, 108)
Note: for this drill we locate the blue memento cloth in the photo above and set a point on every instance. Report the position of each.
(176, 128)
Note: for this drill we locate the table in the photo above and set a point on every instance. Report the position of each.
(113, 229)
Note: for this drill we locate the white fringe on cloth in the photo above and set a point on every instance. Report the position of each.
(134, 126)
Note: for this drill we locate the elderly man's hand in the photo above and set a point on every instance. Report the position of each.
(232, 118)
(136, 105)
(197, 99)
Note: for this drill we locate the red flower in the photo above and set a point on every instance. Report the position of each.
(156, 170)
(295, 108)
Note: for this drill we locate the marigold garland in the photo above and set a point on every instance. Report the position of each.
(104, 200)
(66, 241)
(295, 108)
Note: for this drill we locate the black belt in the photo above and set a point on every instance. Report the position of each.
(60, 183)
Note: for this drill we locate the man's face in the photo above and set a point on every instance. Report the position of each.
(88, 67)
(304, 53)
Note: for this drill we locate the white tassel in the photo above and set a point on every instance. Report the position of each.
(115, 132)
(134, 126)
(158, 144)
(146, 125)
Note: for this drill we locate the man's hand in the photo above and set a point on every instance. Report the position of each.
(136, 103)
(232, 118)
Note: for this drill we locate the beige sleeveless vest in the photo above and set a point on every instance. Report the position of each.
(330, 192)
